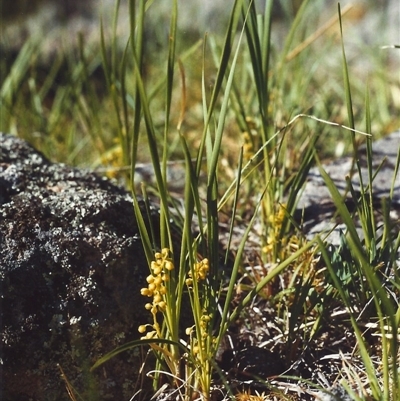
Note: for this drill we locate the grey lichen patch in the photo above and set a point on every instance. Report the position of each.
(71, 269)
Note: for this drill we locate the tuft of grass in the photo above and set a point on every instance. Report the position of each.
(247, 120)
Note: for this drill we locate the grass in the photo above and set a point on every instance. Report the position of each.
(249, 121)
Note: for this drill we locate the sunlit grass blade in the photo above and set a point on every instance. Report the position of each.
(346, 78)
(130, 345)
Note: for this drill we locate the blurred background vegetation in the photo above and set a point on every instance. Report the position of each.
(53, 91)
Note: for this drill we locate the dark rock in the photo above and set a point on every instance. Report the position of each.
(71, 269)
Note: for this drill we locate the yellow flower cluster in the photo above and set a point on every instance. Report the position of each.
(156, 288)
(250, 144)
(200, 270)
(275, 221)
(114, 159)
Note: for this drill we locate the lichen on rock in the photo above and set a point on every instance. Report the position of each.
(71, 269)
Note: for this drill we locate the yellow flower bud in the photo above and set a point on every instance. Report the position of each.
(157, 270)
(150, 335)
(146, 292)
(169, 265)
(157, 298)
(142, 329)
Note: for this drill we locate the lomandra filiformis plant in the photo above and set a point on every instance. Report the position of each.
(191, 306)
(196, 350)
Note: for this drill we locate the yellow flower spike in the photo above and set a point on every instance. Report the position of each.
(152, 287)
(162, 290)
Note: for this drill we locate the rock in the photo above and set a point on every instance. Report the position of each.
(337, 393)
(316, 200)
(71, 269)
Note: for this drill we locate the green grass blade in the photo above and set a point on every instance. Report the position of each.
(341, 207)
(133, 344)
(235, 203)
(144, 234)
(13, 81)
(266, 40)
(104, 58)
(223, 66)
(346, 78)
(294, 28)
